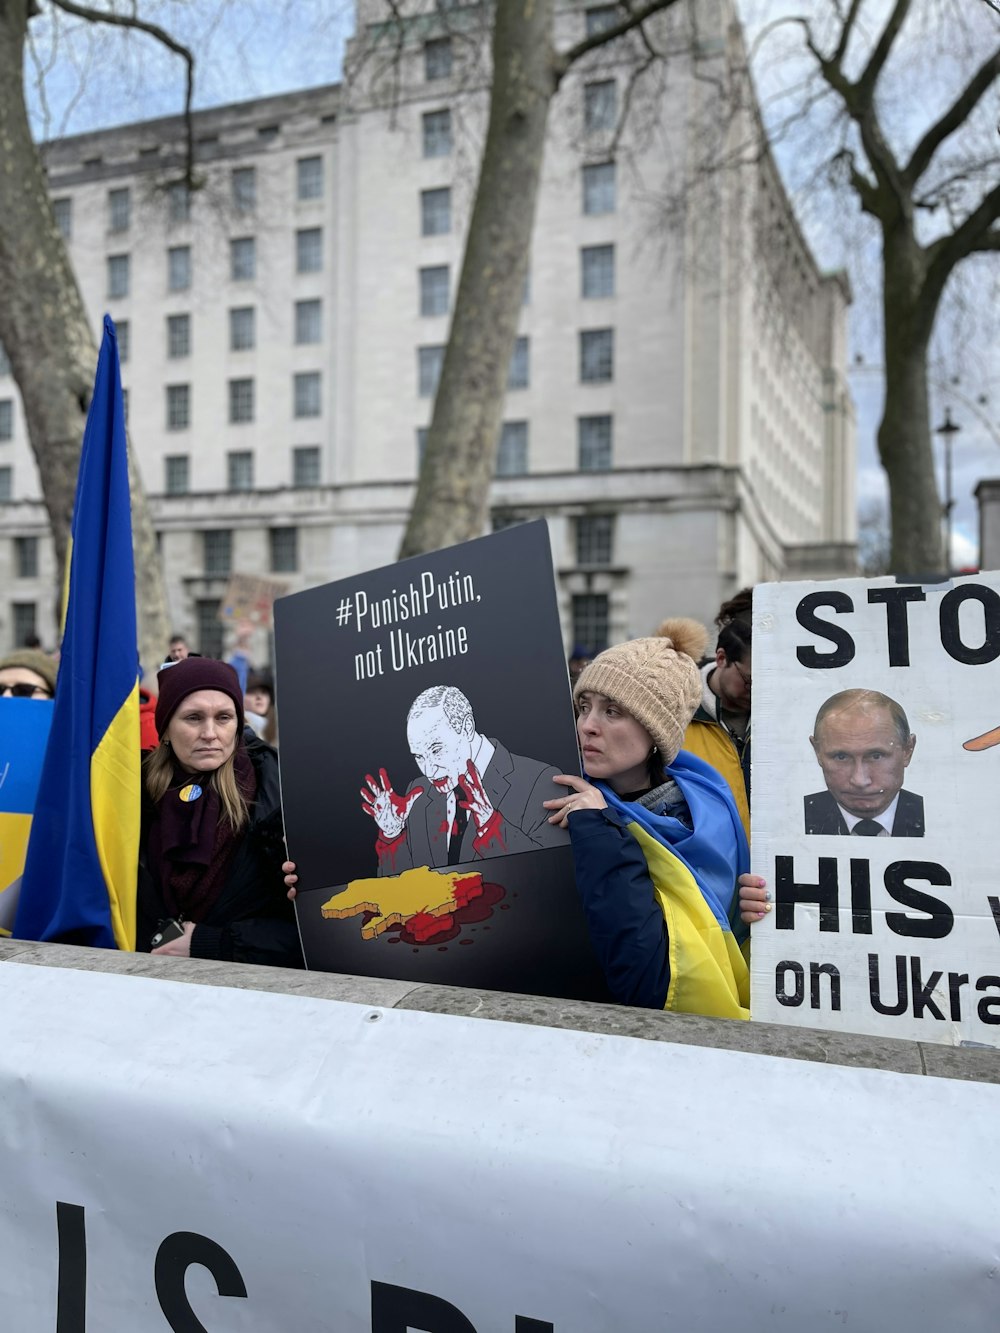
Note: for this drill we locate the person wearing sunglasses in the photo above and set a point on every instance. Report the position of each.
(720, 730)
(27, 674)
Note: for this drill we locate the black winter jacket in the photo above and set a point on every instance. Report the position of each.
(252, 920)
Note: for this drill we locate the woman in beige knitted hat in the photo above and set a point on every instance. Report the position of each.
(657, 840)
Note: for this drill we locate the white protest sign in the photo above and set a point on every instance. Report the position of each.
(202, 1159)
(876, 784)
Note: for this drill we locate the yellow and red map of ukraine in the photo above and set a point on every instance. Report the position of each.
(420, 900)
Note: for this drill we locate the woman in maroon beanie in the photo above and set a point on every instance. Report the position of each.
(212, 838)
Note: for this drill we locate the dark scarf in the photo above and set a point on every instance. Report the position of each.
(191, 844)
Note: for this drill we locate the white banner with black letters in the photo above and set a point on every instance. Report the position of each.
(876, 807)
(192, 1158)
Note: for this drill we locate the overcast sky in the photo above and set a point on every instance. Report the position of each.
(98, 77)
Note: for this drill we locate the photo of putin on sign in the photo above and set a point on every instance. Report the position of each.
(863, 744)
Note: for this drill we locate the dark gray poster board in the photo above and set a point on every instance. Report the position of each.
(425, 708)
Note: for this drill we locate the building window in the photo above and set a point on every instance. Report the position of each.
(309, 250)
(305, 465)
(4, 361)
(594, 539)
(242, 328)
(178, 406)
(217, 551)
(308, 321)
(437, 59)
(309, 178)
(429, 363)
(176, 474)
(307, 394)
(239, 470)
(6, 483)
(125, 405)
(62, 211)
(119, 209)
(597, 355)
(437, 133)
(123, 334)
(600, 18)
(435, 212)
(243, 259)
(600, 106)
(594, 444)
(178, 336)
(268, 132)
(599, 188)
(590, 620)
(179, 202)
(284, 550)
(118, 277)
(210, 641)
(422, 432)
(597, 271)
(6, 418)
(435, 290)
(519, 371)
(240, 404)
(25, 627)
(179, 268)
(244, 189)
(26, 557)
(512, 455)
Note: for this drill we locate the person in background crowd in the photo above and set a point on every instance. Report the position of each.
(212, 839)
(33, 641)
(657, 841)
(178, 649)
(28, 674)
(148, 735)
(578, 660)
(259, 704)
(239, 658)
(720, 729)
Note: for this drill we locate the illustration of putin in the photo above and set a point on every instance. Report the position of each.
(863, 744)
(476, 799)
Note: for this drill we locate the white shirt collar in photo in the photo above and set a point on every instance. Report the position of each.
(886, 818)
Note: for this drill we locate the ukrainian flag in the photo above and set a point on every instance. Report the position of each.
(79, 883)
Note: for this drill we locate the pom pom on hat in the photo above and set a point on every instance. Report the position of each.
(656, 680)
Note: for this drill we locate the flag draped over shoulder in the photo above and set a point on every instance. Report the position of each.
(694, 872)
(79, 883)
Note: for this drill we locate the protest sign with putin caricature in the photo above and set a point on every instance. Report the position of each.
(425, 711)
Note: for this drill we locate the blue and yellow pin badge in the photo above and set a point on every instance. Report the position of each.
(190, 793)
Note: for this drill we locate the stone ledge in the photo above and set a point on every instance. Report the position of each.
(835, 1048)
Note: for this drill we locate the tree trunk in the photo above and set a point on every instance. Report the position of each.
(47, 337)
(904, 435)
(452, 499)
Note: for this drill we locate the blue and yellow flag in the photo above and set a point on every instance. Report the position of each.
(79, 881)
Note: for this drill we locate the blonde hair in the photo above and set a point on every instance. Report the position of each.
(159, 773)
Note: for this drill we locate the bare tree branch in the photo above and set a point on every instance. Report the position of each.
(564, 59)
(946, 252)
(956, 115)
(989, 241)
(136, 24)
(882, 48)
(845, 32)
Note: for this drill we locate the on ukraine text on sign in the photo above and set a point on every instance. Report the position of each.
(875, 718)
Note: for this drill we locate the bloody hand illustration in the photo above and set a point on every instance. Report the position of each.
(478, 804)
(389, 810)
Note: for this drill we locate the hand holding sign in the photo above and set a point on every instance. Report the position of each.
(389, 810)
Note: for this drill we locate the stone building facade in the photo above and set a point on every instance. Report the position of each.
(677, 404)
